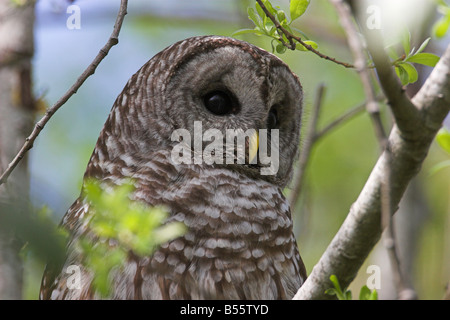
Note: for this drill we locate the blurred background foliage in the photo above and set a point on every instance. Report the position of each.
(340, 163)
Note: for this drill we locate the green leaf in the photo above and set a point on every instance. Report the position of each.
(281, 48)
(348, 295)
(252, 15)
(423, 45)
(297, 8)
(269, 7)
(441, 26)
(406, 42)
(402, 74)
(443, 138)
(335, 282)
(281, 16)
(367, 294)
(121, 225)
(272, 44)
(425, 58)
(269, 28)
(331, 292)
(301, 47)
(260, 11)
(286, 26)
(412, 72)
(272, 31)
(246, 31)
(364, 294)
(312, 44)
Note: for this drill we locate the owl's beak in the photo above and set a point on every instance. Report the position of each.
(253, 147)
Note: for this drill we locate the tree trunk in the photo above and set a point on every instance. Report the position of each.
(16, 120)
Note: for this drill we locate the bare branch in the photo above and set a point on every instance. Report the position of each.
(348, 115)
(357, 49)
(292, 37)
(307, 146)
(90, 70)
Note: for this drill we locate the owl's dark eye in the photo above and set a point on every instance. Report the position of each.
(272, 119)
(219, 102)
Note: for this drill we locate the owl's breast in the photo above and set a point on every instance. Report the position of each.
(239, 242)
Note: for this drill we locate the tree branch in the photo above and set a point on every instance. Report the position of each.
(291, 38)
(433, 99)
(307, 146)
(354, 111)
(372, 107)
(90, 70)
(357, 49)
(405, 112)
(361, 229)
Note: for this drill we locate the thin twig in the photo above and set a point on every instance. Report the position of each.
(404, 292)
(292, 37)
(361, 67)
(348, 115)
(313, 137)
(90, 70)
(387, 211)
(307, 146)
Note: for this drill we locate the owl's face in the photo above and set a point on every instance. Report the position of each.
(222, 83)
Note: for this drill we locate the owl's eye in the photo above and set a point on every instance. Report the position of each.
(272, 119)
(219, 102)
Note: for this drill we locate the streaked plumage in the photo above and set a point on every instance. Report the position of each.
(239, 243)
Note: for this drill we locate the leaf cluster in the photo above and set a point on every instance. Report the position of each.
(364, 294)
(121, 225)
(264, 26)
(404, 67)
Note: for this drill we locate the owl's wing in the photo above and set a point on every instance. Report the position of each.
(67, 281)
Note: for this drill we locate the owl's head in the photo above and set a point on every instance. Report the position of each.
(220, 83)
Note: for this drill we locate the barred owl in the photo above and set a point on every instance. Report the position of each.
(239, 242)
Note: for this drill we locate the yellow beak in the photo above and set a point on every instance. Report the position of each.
(253, 147)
